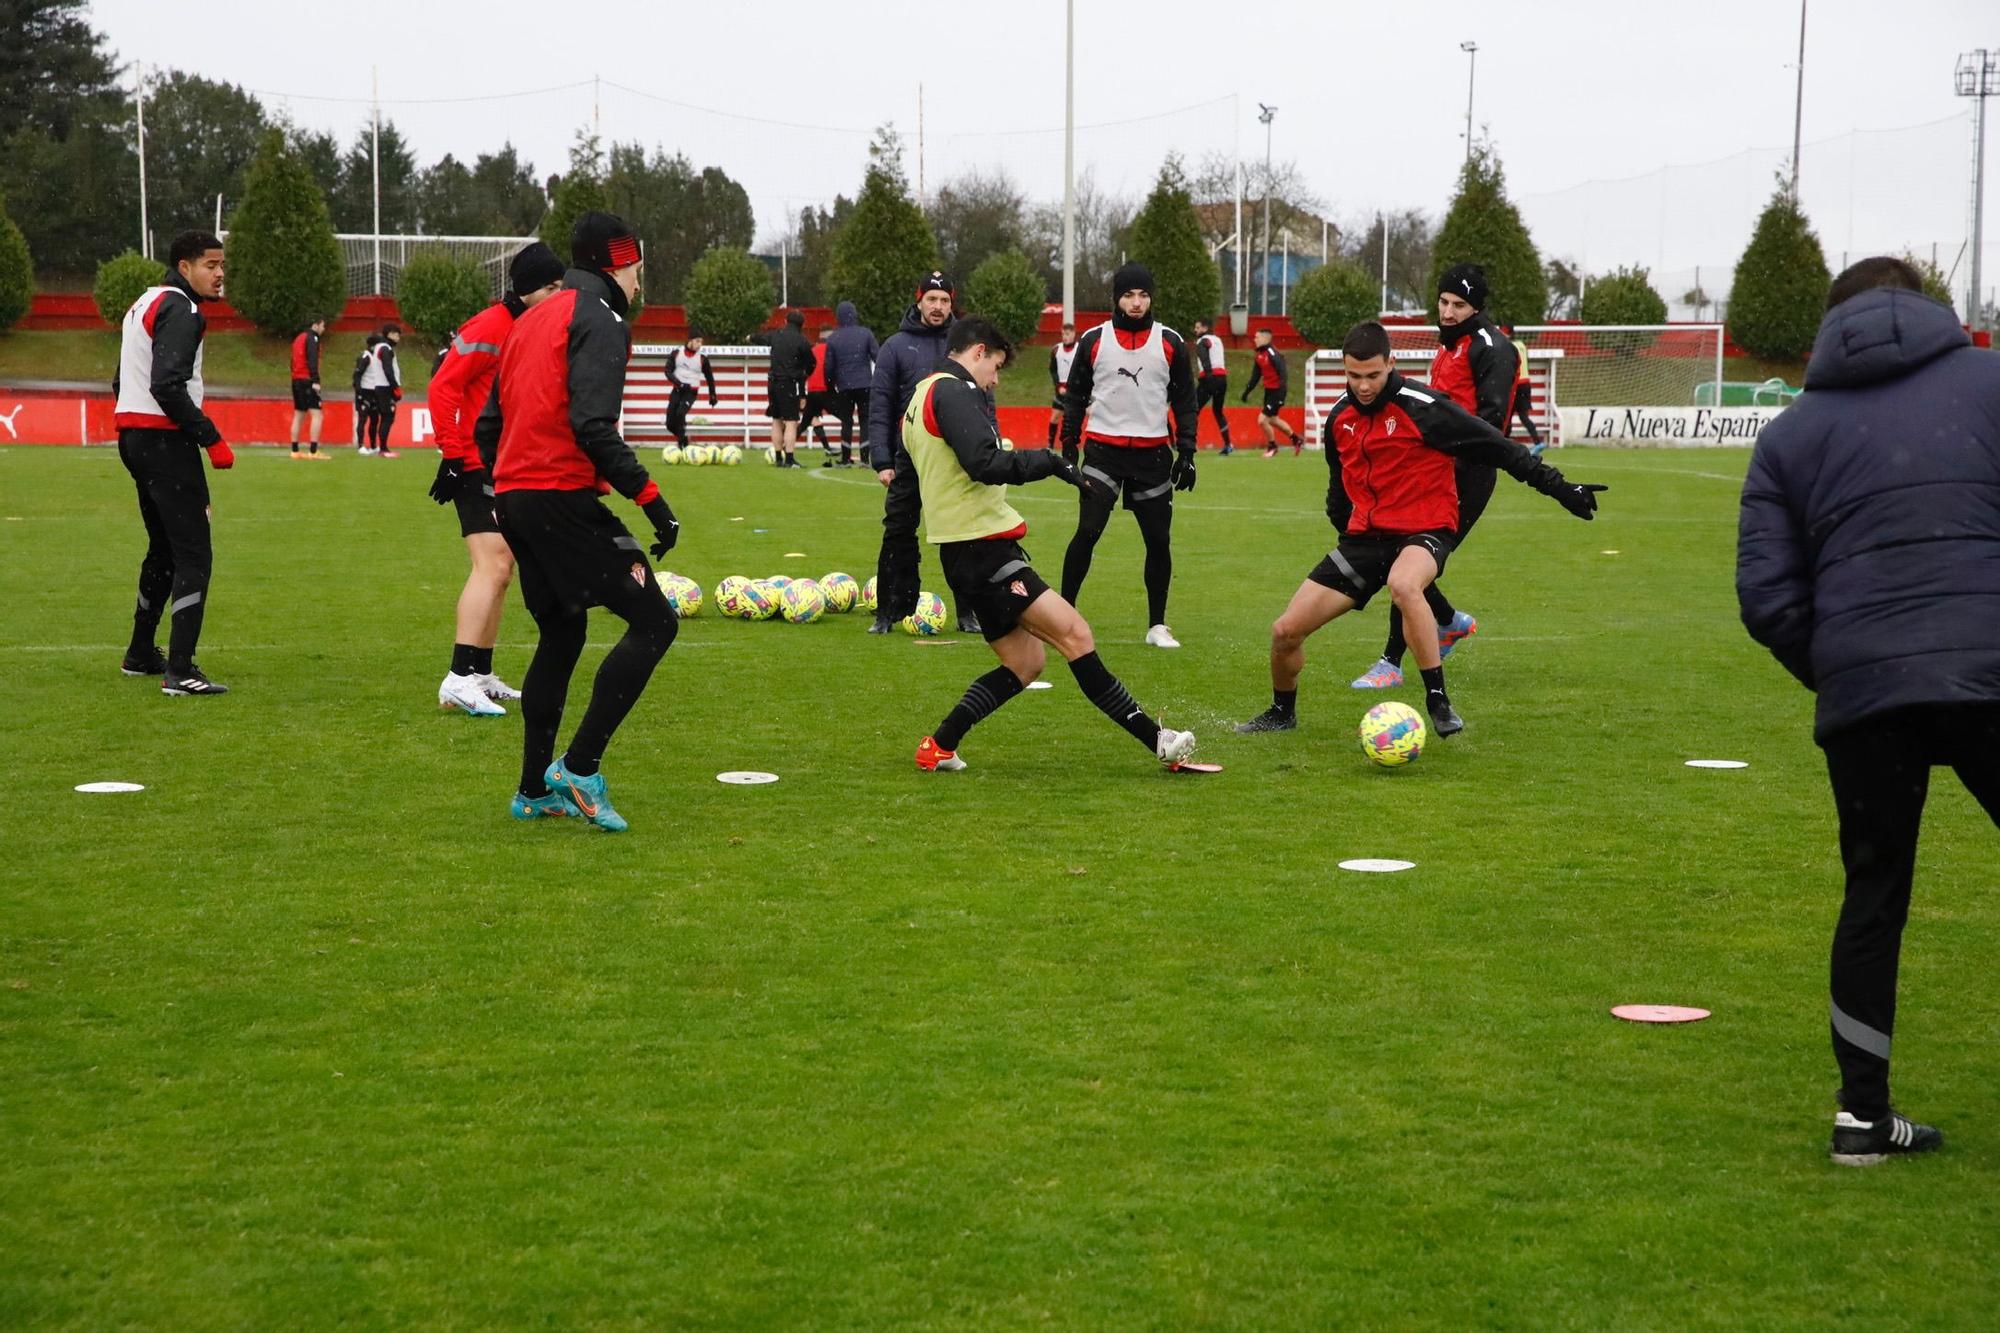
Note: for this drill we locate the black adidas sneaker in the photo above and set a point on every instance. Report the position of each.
(191, 681)
(1271, 719)
(1867, 1142)
(152, 662)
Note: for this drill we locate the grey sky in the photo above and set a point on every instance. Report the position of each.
(1371, 97)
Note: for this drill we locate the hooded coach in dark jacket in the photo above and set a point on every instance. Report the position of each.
(1868, 562)
(911, 353)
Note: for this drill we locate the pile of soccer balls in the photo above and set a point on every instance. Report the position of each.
(799, 601)
(701, 455)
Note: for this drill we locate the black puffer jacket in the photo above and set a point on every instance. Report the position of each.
(912, 352)
(1868, 547)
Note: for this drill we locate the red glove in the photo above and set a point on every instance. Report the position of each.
(220, 456)
(396, 393)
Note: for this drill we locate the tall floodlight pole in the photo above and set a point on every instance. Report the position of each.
(1069, 163)
(1267, 114)
(1242, 269)
(145, 229)
(1471, 69)
(375, 164)
(1977, 75)
(1799, 100)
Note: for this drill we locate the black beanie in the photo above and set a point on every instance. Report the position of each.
(603, 241)
(1467, 282)
(533, 267)
(937, 280)
(1131, 278)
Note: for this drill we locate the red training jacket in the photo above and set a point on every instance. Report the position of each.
(465, 378)
(816, 382)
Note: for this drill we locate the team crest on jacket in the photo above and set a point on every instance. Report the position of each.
(639, 575)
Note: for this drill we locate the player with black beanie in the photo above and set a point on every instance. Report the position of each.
(459, 388)
(549, 435)
(1475, 368)
(161, 428)
(1133, 379)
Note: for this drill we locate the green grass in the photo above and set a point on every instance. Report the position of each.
(308, 1033)
(232, 362)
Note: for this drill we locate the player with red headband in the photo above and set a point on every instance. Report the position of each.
(549, 435)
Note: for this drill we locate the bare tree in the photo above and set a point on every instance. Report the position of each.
(1101, 220)
(1410, 235)
(976, 216)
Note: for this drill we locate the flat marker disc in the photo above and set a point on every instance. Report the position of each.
(1716, 763)
(1190, 767)
(1040, 685)
(1377, 866)
(1658, 1013)
(745, 778)
(109, 786)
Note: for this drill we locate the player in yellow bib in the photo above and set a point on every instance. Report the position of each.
(963, 474)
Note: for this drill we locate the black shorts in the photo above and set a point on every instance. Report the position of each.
(1211, 388)
(783, 404)
(1059, 403)
(474, 503)
(1360, 566)
(305, 396)
(819, 405)
(993, 580)
(1144, 475)
(1273, 400)
(570, 550)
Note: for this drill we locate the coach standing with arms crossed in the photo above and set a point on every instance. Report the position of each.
(1868, 562)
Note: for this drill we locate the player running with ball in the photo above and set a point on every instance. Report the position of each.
(1390, 450)
(954, 447)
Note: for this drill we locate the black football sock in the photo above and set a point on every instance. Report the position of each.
(1285, 702)
(1052, 435)
(313, 448)
(461, 659)
(482, 661)
(1156, 529)
(983, 698)
(1394, 647)
(1441, 608)
(1434, 695)
(1114, 700)
(543, 694)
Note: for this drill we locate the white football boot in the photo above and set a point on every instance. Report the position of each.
(1161, 637)
(493, 687)
(1174, 747)
(463, 692)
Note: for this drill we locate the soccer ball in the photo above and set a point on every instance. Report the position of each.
(801, 601)
(732, 597)
(1392, 734)
(928, 618)
(682, 593)
(670, 455)
(710, 454)
(730, 456)
(866, 601)
(695, 455)
(763, 596)
(841, 592)
(778, 581)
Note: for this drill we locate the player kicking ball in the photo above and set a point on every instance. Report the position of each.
(963, 474)
(1390, 449)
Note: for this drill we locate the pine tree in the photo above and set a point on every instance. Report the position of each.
(1779, 291)
(885, 247)
(1331, 299)
(17, 272)
(284, 264)
(729, 295)
(1007, 289)
(1166, 238)
(575, 195)
(1483, 227)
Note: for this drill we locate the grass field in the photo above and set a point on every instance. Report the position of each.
(308, 1033)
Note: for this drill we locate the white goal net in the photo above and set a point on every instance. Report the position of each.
(375, 264)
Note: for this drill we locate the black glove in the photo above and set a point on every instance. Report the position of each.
(713, 400)
(1578, 498)
(445, 487)
(665, 526)
(1063, 470)
(1183, 473)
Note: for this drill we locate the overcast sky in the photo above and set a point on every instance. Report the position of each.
(1371, 98)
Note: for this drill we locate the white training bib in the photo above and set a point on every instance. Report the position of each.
(1128, 395)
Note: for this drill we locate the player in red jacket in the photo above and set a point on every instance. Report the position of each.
(458, 391)
(1390, 449)
(549, 435)
(305, 385)
(1267, 371)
